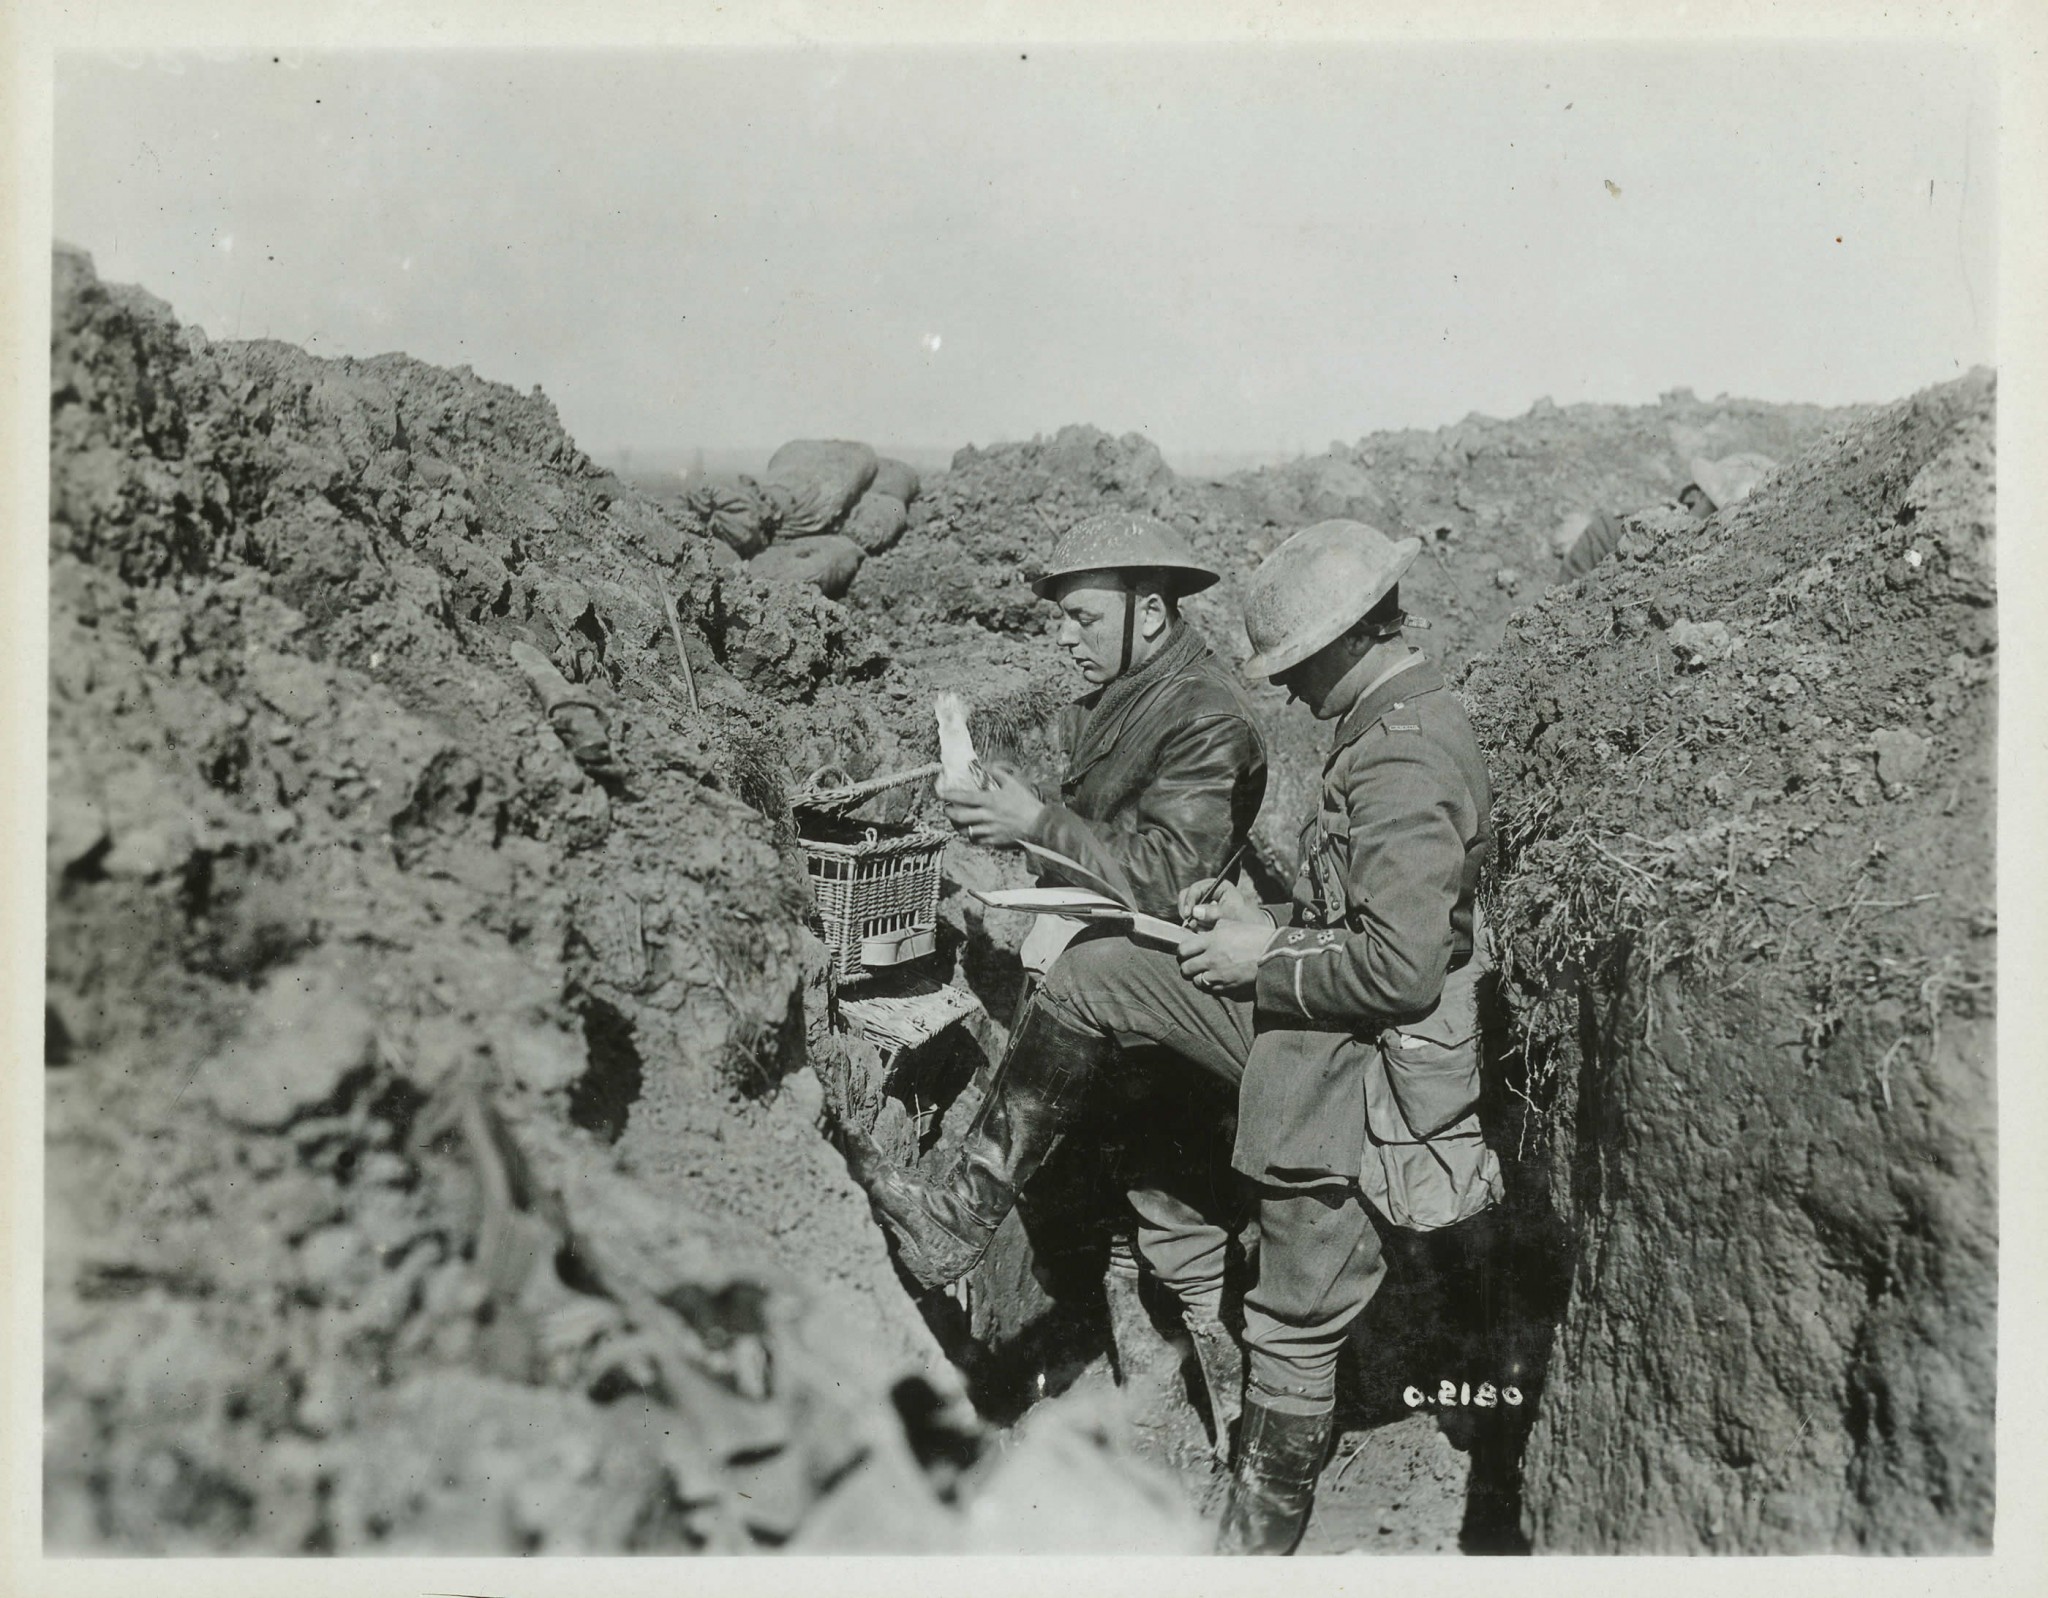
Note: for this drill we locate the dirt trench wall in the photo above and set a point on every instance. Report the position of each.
(1746, 907)
(356, 974)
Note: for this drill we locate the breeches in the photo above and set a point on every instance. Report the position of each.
(1319, 1258)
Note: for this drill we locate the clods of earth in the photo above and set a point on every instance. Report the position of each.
(442, 1060)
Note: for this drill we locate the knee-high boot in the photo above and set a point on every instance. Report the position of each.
(942, 1228)
(1274, 1486)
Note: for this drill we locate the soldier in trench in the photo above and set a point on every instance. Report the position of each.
(1715, 486)
(1346, 1019)
(1165, 772)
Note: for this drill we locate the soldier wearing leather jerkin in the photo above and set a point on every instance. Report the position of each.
(1164, 771)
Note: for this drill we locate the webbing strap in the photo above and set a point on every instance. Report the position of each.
(1130, 621)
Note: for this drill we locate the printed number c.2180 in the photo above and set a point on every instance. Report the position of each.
(1450, 1395)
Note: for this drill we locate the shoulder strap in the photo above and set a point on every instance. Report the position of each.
(1374, 699)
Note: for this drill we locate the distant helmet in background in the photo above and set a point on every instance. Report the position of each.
(1315, 587)
(1731, 479)
(1125, 541)
(1568, 532)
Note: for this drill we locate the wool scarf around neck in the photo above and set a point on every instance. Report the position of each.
(1182, 650)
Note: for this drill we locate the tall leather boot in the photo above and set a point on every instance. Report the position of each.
(1220, 1358)
(1274, 1487)
(942, 1228)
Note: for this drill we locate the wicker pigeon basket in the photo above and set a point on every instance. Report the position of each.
(875, 885)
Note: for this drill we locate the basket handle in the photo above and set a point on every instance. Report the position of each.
(815, 798)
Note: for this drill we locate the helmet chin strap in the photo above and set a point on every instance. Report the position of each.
(1130, 622)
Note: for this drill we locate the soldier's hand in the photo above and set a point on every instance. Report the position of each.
(1225, 959)
(998, 816)
(1235, 902)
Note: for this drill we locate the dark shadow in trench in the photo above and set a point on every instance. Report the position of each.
(1483, 1301)
(1473, 1304)
(603, 1097)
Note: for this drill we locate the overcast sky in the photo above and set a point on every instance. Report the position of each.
(1225, 248)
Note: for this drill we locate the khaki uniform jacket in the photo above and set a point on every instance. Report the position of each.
(1160, 792)
(1366, 1062)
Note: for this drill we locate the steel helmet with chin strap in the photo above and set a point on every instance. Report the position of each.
(1122, 545)
(1315, 587)
(1729, 480)
(1125, 541)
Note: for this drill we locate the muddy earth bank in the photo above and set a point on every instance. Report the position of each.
(432, 1159)
(1747, 910)
(438, 1054)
